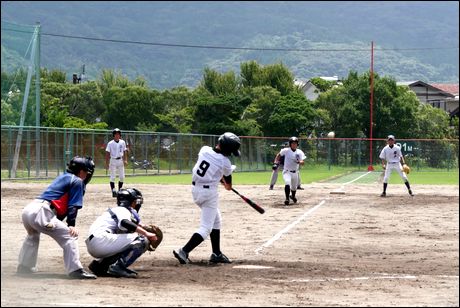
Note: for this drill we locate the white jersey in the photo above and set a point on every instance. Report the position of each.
(107, 223)
(391, 155)
(292, 158)
(116, 149)
(210, 167)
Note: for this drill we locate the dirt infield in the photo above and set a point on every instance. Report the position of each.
(352, 249)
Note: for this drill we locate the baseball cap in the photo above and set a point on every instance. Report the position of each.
(391, 137)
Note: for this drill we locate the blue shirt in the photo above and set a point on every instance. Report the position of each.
(66, 183)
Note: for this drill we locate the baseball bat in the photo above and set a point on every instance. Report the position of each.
(250, 202)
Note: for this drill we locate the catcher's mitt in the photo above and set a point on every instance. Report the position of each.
(154, 229)
(406, 169)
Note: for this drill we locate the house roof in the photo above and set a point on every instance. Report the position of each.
(451, 88)
(430, 86)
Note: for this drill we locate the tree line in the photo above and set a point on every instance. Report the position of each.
(259, 101)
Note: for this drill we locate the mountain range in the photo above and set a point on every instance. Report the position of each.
(169, 43)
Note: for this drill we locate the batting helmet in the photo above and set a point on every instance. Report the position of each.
(116, 130)
(78, 163)
(125, 198)
(229, 144)
(293, 139)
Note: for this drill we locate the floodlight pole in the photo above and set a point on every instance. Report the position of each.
(371, 168)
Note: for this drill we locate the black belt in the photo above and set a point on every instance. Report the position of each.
(293, 171)
(204, 186)
(117, 157)
(92, 235)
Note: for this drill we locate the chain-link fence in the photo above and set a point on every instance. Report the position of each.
(152, 153)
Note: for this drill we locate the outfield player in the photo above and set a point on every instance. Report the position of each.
(116, 157)
(117, 238)
(280, 166)
(392, 157)
(293, 158)
(212, 167)
(63, 198)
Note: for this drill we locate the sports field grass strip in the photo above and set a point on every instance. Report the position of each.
(335, 175)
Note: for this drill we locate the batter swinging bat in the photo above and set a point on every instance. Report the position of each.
(250, 202)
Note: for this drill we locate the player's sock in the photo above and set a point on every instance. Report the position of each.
(385, 187)
(287, 189)
(215, 241)
(120, 185)
(407, 185)
(112, 186)
(194, 241)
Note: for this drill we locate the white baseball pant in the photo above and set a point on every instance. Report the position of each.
(394, 166)
(114, 166)
(291, 178)
(37, 218)
(207, 201)
(105, 244)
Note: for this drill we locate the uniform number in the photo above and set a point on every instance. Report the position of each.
(202, 168)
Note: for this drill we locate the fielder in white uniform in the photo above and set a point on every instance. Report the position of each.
(116, 158)
(212, 167)
(392, 157)
(117, 237)
(63, 198)
(276, 167)
(293, 157)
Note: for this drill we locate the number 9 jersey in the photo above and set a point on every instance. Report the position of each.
(210, 167)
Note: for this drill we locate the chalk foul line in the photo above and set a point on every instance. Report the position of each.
(289, 227)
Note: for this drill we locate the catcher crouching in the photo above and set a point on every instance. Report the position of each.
(117, 238)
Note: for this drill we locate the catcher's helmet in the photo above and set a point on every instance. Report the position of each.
(78, 163)
(116, 130)
(125, 198)
(229, 144)
(293, 139)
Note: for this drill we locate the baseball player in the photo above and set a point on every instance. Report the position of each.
(293, 157)
(117, 238)
(280, 166)
(63, 198)
(392, 157)
(116, 157)
(213, 166)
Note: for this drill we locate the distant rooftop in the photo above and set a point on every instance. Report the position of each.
(451, 88)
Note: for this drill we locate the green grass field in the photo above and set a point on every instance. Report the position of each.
(308, 175)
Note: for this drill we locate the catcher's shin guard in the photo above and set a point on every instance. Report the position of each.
(134, 250)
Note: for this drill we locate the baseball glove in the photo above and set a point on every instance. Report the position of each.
(406, 169)
(275, 166)
(154, 229)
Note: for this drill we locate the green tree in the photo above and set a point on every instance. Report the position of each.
(293, 115)
(132, 106)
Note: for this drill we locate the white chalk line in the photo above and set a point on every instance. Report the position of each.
(333, 279)
(82, 305)
(289, 227)
(349, 182)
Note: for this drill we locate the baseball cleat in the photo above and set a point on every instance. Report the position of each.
(181, 256)
(219, 258)
(81, 274)
(410, 193)
(286, 202)
(271, 187)
(300, 188)
(119, 270)
(114, 193)
(384, 194)
(293, 199)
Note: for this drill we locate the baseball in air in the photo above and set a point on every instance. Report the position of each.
(331, 135)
